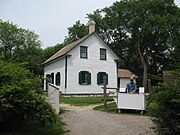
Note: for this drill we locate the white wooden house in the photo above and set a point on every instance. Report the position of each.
(79, 67)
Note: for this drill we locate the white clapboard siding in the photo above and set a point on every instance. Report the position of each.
(93, 64)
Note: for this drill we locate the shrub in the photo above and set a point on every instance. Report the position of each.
(21, 98)
(164, 102)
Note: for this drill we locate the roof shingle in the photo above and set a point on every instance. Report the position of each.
(64, 50)
(125, 73)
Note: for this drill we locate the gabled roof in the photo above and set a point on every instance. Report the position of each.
(62, 52)
(125, 73)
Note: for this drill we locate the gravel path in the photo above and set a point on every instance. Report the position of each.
(86, 121)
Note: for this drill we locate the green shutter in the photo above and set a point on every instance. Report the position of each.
(52, 78)
(98, 78)
(80, 78)
(48, 76)
(58, 79)
(89, 78)
(103, 74)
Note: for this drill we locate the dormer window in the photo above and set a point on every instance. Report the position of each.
(83, 52)
(102, 54)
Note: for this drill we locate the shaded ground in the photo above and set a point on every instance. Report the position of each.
(86, 121)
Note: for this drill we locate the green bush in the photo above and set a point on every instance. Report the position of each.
(164, 102)
(21, 98)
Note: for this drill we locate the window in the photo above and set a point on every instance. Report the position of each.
(83, 52)
(48, 80)
(58, 79)
(100, 78)
(84, 78)
(52, 78)
(102, 54)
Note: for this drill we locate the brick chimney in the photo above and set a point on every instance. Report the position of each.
(91, 26)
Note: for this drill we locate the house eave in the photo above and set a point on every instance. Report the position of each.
(54, 60)
(62, 56)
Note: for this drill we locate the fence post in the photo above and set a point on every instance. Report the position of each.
(105, 96)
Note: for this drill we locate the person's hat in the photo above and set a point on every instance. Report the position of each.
(131, 79)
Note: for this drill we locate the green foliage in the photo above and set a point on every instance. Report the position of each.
(164, 103)
(35, 128)
(20, 45)
(76, 32)
(21, 98)
(150, 25)
(49, 51)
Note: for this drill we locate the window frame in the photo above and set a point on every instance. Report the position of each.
(100, 78)
(103, 56)
(84, 78)
(48, 80)
(84, 52)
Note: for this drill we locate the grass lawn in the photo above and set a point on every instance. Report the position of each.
(83, 101)
(95, 100)
(112, 108)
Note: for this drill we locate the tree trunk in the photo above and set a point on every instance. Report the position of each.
(144, 65)
(145, 76)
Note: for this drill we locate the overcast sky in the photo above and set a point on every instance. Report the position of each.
(50, 18)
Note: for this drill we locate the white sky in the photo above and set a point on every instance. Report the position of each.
(50, 18)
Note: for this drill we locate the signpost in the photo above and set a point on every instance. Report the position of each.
(105, 95)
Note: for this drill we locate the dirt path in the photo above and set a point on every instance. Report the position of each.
(86, 121)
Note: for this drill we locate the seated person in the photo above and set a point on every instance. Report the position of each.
(131, 87)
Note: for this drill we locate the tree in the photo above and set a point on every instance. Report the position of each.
(21, 98)
(20, 45)
(172, 53)
(76, 32)
(49, 51)
(140, 30)
(8, 39)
